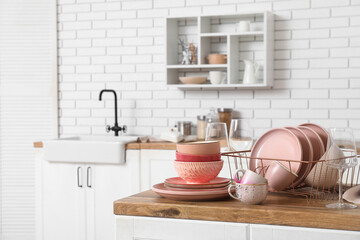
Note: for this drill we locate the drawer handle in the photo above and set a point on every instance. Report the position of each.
(88, 178)
(79, 177)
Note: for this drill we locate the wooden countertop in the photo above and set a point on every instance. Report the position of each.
(153, 145)
(135, 145)
(278, 209)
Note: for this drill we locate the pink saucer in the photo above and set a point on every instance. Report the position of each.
(178, 182)
(279, 144)
(316, 142)
(319, 130)
(190, 195)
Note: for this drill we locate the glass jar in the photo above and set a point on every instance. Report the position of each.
(212, 116)
(201, 127)
(225, 115)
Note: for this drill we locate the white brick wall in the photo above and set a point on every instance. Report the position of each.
(119, 44)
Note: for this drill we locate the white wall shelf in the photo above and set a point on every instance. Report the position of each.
(217, 34)
(194, 66)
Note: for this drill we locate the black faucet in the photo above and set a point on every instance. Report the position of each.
(116, 128)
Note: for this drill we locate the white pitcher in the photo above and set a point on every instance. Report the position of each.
(251, 70)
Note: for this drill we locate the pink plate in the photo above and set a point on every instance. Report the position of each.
(190, 195)
(316, 142)
(280, 144)
(178, 182)
(307, 154)
(319, 130)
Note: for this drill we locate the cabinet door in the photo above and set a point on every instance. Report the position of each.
(130, 227)
(272, 232)
(108, 183)
(156, 166)
(63, 201)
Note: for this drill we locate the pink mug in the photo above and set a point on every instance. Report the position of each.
(279, 176)
(249, 177)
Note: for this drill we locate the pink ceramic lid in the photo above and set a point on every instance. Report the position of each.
(323, 134)
(279, 144)
(307, 154)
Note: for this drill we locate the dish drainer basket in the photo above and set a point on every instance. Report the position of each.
(320, 181)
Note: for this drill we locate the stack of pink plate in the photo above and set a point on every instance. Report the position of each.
(198, 165)
(178, 189)
(306, 142)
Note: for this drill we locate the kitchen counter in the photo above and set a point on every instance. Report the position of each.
(135, 145)
(278, 209)
(154, 145)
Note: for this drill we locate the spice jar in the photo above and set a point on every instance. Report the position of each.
(201, 127)
(225, 115)
(184, 127)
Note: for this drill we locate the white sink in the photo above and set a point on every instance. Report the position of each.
(87, 149)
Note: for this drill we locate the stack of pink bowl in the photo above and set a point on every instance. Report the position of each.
(198, 162)
(198, 165)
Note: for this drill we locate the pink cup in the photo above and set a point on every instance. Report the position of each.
(249, 193)
(249, 177)
(279, 176)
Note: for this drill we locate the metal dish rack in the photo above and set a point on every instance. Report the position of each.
(318, 172)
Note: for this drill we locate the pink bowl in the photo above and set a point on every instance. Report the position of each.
(199, 148)
(198, 172)
(181, 157)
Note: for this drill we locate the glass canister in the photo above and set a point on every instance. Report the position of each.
(201, 127)
(212, 116)
(225, 115)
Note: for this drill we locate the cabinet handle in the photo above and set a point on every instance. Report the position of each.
(88, 177)
(78, 177)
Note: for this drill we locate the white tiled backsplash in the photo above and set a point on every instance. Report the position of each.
(120, 45)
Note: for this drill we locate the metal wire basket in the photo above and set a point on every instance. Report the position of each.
(319, 181)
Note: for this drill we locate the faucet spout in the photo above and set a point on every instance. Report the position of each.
(116, 127)
(115, 102)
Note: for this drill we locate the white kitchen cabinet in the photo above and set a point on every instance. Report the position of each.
(131, 227)
(110, 182)
(274, 232)
(78, 198)
(156, 166)
(64, 202)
